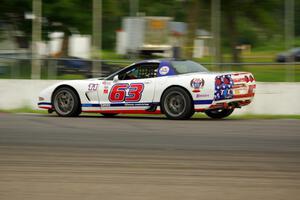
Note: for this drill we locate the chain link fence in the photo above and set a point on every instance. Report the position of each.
(12, 67)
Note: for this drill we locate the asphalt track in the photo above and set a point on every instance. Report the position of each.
(91, 157)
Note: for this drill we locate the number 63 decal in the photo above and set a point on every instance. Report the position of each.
(125, 92)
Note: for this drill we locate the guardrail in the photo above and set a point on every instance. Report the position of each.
(12, 67)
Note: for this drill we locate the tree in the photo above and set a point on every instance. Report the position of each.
(13, 12)
(192, 21)
(230, 12)
(297, 17)
(258, 14)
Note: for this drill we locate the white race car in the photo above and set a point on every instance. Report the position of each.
(176, 88)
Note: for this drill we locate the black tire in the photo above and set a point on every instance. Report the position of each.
(71, 105)
(176, 103)
(219, 113)
(109, 114)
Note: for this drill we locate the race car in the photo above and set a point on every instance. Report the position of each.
(175, 88)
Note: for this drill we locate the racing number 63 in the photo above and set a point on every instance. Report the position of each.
(125, 92)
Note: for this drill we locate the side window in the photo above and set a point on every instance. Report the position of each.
(140, 71)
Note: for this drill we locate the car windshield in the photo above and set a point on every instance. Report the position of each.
(187, 66)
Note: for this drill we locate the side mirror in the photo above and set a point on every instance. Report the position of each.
(116, 78)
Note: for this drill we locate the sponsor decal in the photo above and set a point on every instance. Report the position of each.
(105, 89)
(93, 86)
(164, 70)
(197, 83)
(106, 82)
(202, 95)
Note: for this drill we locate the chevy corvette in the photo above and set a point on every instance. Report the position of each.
(176, 88)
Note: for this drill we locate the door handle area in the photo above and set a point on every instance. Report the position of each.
(148, 82)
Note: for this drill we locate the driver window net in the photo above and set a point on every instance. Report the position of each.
(147, 71)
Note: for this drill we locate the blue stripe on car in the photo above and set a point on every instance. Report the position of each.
(90, 105)
(208, 101)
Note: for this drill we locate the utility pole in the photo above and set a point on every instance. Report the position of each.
(36, 38)
(134, 7)
(289, 24)
(97, 37)
(216, 28)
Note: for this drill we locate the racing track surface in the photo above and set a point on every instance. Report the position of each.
(45, 157)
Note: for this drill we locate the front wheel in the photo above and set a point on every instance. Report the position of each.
(219, 113)
(176, 103)
(66, 103)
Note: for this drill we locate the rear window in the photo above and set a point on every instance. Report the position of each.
(184, 67)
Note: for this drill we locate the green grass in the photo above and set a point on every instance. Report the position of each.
(24, 110)
(274, 73)
(70, 77)
(266, 73)
(110, 55)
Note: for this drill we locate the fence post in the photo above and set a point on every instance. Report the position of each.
(36, 38)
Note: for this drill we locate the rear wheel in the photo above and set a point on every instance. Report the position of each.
(176, 103)
(66, 103)
(219, 113)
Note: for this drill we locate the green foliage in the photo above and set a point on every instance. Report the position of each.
(257, 22)
(13, 11)
(75, 14)
(250, 22)
(297, 17)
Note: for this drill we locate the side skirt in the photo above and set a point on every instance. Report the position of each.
(123, 111)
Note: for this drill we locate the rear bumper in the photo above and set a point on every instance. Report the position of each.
(233, 90)
(234, 103)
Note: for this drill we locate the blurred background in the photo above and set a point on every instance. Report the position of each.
(138, 157)
(76, 39)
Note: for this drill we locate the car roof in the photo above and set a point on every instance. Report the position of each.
(159, 60)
